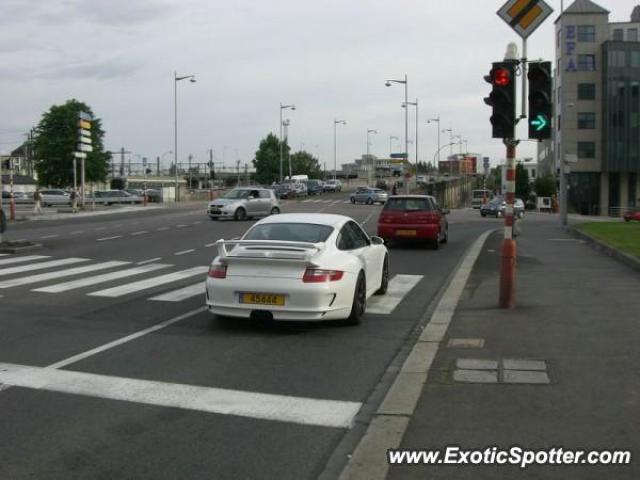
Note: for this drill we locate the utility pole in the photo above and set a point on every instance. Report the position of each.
(190, 179)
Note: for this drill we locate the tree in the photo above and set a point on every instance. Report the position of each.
(522, 182)
(267, 161)
(545, 186)
(303, 163)
(55, 141)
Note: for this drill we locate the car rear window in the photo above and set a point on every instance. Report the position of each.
(408, 204)
(292, 232)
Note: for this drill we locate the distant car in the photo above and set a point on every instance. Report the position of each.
(52, 197)
(18, 197)
(413, 217)
(243, 203)
(632, 215)
(332, 186)
(314, 187)
(497, 207)
(300, 189)
(111, 197)
(284, 190)
(307, 267)
(369, 196)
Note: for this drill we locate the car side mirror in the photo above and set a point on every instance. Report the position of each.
(377, 241)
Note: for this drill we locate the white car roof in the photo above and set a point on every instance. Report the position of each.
(316, 218)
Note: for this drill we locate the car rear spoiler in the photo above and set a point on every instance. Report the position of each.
(267, 249)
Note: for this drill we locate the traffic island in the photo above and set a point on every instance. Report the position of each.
(18, 246)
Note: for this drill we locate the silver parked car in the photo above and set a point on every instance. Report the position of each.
(109, 197)
(369, 196)
(55, 197)
(242, 203)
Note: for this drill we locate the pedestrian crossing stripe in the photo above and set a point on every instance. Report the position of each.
(106, 277)
(399, 286)
(61, 273)
(149, 283)
(42, 265)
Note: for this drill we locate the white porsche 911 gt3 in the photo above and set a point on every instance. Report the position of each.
(298, 267)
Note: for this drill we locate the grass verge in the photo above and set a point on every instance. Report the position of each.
(621, 235)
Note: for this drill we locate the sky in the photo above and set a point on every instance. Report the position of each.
(330, 59)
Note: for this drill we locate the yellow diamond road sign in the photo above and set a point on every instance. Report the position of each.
(524, 16)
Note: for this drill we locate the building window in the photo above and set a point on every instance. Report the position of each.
(587, 63)
(632, 35)
(586, 33)
(618, 35)
(533, 173)
(635, 59)
(616, 58)
(586, 91)
(586, 150)
(586, 121)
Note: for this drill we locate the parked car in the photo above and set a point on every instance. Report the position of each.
(300, 189)
(314, 187)
(18, 197)
(243, 203)
(285, 190)
(413, 217)
(110, 197)
(332, 186)
(307, 266)
(52, 197)
(152, 194)
(497, 206)
(632, 215)
(369, 196)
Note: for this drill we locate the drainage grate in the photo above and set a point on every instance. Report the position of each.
(508, 370)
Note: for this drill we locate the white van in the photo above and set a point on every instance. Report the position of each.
(297, 178)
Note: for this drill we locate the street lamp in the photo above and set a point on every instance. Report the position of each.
(285, 126)
(335, 147)
(564, 197)
(283, 107)
(176, 79)
(437, 120)
(415, 104)
(369, 176)
(406, 116)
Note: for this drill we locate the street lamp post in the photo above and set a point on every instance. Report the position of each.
(176, 79)
(335, 146)
(283, 107)
(415, 104)
(437, 120)
(369, 173)
(285, 126)
(406, 117)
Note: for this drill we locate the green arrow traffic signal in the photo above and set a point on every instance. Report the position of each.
(540, 122)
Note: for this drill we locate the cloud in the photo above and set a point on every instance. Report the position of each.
(100, 70)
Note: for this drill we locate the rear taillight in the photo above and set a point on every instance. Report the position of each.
(218, 271)
(315, 275)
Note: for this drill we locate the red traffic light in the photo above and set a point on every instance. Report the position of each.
(501, 77)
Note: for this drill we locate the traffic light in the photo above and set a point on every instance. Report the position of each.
(540, 108)
(502, 98)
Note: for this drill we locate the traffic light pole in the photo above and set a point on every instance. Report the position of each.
(508, 251)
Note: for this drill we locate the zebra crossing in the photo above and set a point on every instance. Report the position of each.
(55, 276)
(332, 202)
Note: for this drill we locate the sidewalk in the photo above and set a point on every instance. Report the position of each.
(578, 317)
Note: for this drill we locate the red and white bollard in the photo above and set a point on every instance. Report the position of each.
(12, 208)
(508, 250)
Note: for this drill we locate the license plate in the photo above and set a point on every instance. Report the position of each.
(406, 233)
(262, 299)
(215, 210)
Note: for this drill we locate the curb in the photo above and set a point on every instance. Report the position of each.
(20, 248)
(609, 250)
(391, 419)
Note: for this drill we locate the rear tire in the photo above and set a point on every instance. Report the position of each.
(359, 304)
(353, 200)
(384, 284)
(275, 211)
(435, 244)
(241, 214)
(446, 236)
(369, 201)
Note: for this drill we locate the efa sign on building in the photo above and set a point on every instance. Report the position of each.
(569, 50)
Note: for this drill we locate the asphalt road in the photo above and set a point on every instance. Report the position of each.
(130, 409)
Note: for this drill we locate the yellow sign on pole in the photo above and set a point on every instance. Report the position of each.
(524, 16)
(84, 124)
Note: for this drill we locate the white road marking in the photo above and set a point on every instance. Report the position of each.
(336, 201)
(149, 283)
(368, 218)
(149, 261)
(49, 236)
(108, 238)
(141, 232)
(181, 294)
(16, 282)
(327, 201)
(346, 201)
(40, 266)
(306, 201)
(96, 279)
(300, 410)
(197, 223)
(181, 226)
(27, 258)
(399, 287)
(77, 232)
(183, 252)
(162, 229)
(210, 245)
